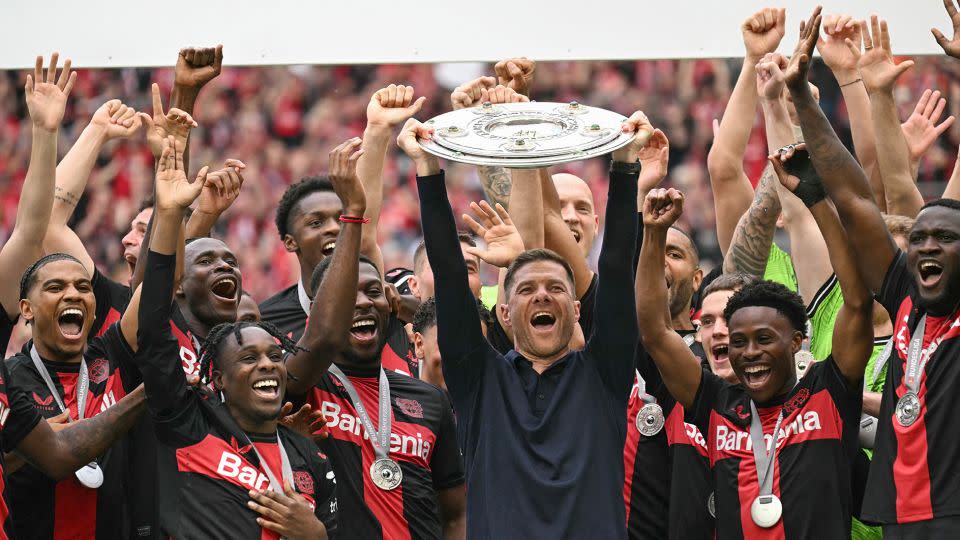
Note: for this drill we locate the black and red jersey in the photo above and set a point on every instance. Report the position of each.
(915, 472)
(44, 508)
(667, 476)
(422, 441)
(112, 300)
(816, 446)
(207, 463)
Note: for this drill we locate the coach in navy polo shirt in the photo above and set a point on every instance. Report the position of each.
(542, 428)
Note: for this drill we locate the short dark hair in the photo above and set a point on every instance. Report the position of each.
(693, 245)
(426, 315)
(294, 194)
(953, 204)
(29, 277)
(773, 295)
(210, 351)
(147, 202)
(421, 252)
(732, 281)
(532, 256)
(321, 271)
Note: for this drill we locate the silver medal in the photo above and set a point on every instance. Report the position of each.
(766, 510)
(650, 420)
(803, 359)
(90, 475)
(908, 409)
(712, 505)
(386, 474)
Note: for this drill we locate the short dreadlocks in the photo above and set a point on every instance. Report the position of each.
(210, 351)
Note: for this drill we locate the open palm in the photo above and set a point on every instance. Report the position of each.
(494, 226)
(173, 189)
(877, 68)
(47, 99)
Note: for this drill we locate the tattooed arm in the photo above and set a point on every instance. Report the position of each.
(497, 185)
(750, 246)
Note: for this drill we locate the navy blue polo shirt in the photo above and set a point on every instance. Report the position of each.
(543, 452)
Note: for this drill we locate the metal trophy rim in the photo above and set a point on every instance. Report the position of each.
(452, 151)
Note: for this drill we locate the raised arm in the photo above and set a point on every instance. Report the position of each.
(842, 177)
(328, 331)
(677, 364)
(495, 181)
(46, 101)
(950, 46)
(952, 191)
(219, 193)
(852, 347)
(195, 68)
(388, 108)
(923, 127)
(732, 191)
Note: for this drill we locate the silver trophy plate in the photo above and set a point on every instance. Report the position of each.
(525, 135)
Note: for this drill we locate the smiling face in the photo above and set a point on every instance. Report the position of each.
(715, 336)
(577, 209)
(314, 225)
(371, 315)
(132, 240)
(252, 377)
(211, 283)
(541, 310)
(933, 257)
(682, 272)
(61, 308)
(763, 343)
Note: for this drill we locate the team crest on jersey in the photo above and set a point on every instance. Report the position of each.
(797, 401)
(99, 370)
(410, 407)
(304, 482)
(741, 412)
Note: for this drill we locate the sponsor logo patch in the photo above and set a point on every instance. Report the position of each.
(410, 407)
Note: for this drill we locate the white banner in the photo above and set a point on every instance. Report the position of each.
(115, 33)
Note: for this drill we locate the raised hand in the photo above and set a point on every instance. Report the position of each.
(173, 190)
(502, 239)
(950, 46)
(502, 94)
(516, 74)
(116, 120)
(393, 105)
(468, 94)
(876, 65)
(161, 125)
(796, 72)
(307, 422)
(222, 188)
(287, 514)
(198, 66)
(921, 129)
(770, 78)
(639, 124)
(343, 176)
(407, 141)
(47, 96)
(763, 31)
(833, 47)
(662, 208)
(796, 173)
(654, 161)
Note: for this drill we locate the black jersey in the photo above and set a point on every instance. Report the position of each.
(207, 466)
(44, 508)
(112, 300)
(422, 441)
(815, 449)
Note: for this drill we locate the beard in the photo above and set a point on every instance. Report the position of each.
(679, 297)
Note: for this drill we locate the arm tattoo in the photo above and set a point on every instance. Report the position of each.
(753, 236)
(66, 197)
(496, 183)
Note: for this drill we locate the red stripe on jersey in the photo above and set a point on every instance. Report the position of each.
(390, 360)
(188, 354)
(680, 432)
(630, 446)
(749, 490)
(4, 511)
(387, 506)
(112, 316)
(271, 454)
(75, 511)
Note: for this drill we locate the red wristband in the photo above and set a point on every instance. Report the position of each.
(354, 219)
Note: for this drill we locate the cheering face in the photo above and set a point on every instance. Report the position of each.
(132, 240)
(252, 376)
(61, 307)
(211, 281)
(715, 336)
(682, 271)
(541, 310)
(761, 349)
(577, 209)
(371, 314)
(934, 258)
(314, 226)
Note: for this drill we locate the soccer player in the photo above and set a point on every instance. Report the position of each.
(230, 458)
(425, 340)
(248, 310)
(559, 415)
(392, 438)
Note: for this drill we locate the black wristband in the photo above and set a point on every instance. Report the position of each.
(625, 168)
(810, 190)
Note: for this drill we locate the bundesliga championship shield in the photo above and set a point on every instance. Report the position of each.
(525, 135)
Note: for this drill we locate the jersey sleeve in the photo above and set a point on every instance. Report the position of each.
(704, 403)
(112, 299)
(114, 347)
(780, 268)
(325, 494)
(848, 397)
(21, 415)
(446, 462)
(587, 306)
(6, 328)
(897, 284)
(822, 312)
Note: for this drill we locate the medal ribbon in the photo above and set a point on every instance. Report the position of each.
(304, 299)
(380, 439)
(881, 361)
(915, 366)
(763, 459)
(83, 383)
(286, 471)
